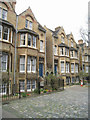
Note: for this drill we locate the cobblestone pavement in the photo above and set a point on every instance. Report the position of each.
(70, 103)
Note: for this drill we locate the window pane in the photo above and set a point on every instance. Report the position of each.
(30, 25)
(26, 25)
(29, 64)
(4, 14)
(0, 12)
(23, 37)
(28, 84)
(29, 40)
(22, 63)
(4, 62)
(22, 85)
(34, 41)
(41, 45)
(5, 33)
(0, 31)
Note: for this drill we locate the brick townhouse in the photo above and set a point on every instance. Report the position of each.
(62, 54)
(22, 51)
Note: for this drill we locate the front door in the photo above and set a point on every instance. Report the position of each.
(55, 69)
(41, 69)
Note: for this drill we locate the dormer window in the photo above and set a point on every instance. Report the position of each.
(62, 39)
(28, 24)
(3, 14)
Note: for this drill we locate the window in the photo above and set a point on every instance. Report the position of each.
(41, 45)
(34, 64)
(67, 67)
(34, 41)
(76, 54)
(83, 67)
(71, 53)
(55, 50)
(30, 25)
(22, 63)
(26, 25)
(29, 40)
(86, 69)
(71, 44)
(3, 89)
(22, 86)
(23, 39)
(29, 64)
(33, 84)
(5, 33)
(28, 85)
(0, 13)
(86, 58)
(72, 67)
(62, 39)
(66, 51)
(0, 32)
(76, 68)
(4, 62)
(61, 51)
(82, 58)
(4, 14)
(62, 67)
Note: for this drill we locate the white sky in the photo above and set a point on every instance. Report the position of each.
(71, 14)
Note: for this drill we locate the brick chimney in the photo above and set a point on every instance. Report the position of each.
(80, 42)
(57, 28)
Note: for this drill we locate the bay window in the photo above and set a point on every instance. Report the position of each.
(34, 64)
(76, 68)
(0, 32)
(72, 67)
(5, 33)
(28, 85)
(22, 63)
(61, 51)
(29, 40)
(67, 67)
(33, 85)
(76, 54)
(34, 41)
(29, 64)
(23, 39)
(62, 67)
(86, 69)
(22, 85)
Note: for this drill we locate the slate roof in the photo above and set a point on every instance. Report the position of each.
(63, 45)
(41, 28)
(73, 49)
(6, 23)
(54, 33)
(25, 30)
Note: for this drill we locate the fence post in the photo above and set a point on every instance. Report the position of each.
(19, 92)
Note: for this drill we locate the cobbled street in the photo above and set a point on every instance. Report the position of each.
(70, 103)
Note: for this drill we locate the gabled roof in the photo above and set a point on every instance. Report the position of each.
(63, 45)
(25, 30)
(54, 33)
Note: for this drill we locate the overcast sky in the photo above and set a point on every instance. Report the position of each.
(71, 14)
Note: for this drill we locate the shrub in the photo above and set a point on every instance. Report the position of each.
(4, 96)
(36, 91)
(44, 91)
(23, 94)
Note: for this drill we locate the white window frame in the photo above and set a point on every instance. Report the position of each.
(5, 14)
(22, 63)
(1, 32)
(62, 66)
(28, 84)
(29, 39)
(4, 62)
(87, 69)
(3, 86)
(34, 42)
(76, 68)
(34, 65)
(22, 39)
(41, 46)
(30, 25)
(33, 84)
(6, 33)
(22, 82)
(72, 67)
(29, 63)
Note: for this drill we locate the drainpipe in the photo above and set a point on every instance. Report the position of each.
(45, 54)
(15, 52)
